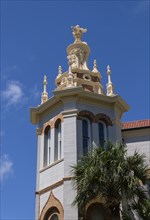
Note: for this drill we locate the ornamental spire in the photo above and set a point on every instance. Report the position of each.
(95, 70)
(109, 73)
(95, 67)
(44, 97)
(59, 71)
(109, 85)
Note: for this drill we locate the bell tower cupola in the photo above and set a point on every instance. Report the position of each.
(78, 73)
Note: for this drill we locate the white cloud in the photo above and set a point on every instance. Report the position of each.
(13, 93)
(5, 167)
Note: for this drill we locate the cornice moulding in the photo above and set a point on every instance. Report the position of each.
(76, 92)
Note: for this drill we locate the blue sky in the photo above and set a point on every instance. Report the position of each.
(34, 38)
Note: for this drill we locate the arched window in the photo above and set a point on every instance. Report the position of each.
(86, 134)
(58, 140)
(47, 146)
(102, 131)
(52, 214)
(54, 217)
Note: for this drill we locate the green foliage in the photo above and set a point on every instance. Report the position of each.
(109, 173)
(142, 208)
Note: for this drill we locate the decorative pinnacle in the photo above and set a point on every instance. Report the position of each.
(109, 85)
(78, 32)
(44, 93)
(108, 73)
(108, 70)
(95, 67)
(45, 83)
(70, 78)
(69, 72)
(59, 70)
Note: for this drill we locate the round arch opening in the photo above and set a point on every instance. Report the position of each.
(95, 212)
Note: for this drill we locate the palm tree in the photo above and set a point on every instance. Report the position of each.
(140, 205)
(109, 175)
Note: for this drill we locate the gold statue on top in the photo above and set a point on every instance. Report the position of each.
(77, 33)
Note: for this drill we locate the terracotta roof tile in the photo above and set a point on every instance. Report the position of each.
(136, 124)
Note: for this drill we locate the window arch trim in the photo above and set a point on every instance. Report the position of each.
(86, 114)
(103, 117)
(51, 206)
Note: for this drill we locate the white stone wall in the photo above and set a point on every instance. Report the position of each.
(138, 140)
(51, 175)
(70, 158)
(70, 143)
(70, 211)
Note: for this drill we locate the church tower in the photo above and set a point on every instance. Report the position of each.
(77, 117)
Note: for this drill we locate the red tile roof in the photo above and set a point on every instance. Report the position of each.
(136, 124)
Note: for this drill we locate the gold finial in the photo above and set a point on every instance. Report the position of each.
(44, 97)
(78, 32)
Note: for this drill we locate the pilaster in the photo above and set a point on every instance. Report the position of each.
(70, 158)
